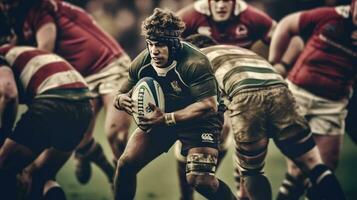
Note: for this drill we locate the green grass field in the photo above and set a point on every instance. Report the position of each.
(158, 181)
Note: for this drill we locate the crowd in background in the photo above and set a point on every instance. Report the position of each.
(122, 18)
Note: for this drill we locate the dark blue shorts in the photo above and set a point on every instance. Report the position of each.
(51, 122)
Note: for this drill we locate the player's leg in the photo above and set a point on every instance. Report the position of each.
(250, 159)
(186, 191)
(141, 149)
(13, 158)
(42, 171)
(91, 151)
(53, 191)
(117, 124)
(200, 173)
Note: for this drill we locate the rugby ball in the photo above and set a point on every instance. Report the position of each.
(146, 91)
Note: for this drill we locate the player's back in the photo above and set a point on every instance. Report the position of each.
(79, 39)
(39, 71)
(237, 68)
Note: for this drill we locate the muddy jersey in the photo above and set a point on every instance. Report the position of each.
(187, 80)
(79, 39)
(37, 72)
(247, 25)
(237, 68)
(328, 64)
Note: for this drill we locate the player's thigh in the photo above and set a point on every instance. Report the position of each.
(143, 147)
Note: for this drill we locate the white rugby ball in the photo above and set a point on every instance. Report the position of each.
(146, 91)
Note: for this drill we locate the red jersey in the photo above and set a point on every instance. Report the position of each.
(247, 25)
(328, 63)
(79, 39)
(38, 71)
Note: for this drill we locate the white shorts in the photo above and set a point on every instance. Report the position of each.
(110, 78)
(325, 117)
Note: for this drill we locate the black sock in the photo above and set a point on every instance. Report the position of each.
(84, 150)
(258, 187)
(291, 189)
(99, 158)
(7, 185)
(55, 193)
(326, 183)
(223, 192)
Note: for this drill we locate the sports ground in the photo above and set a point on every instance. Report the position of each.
(158, 180)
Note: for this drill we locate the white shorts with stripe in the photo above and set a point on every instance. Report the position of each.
(325, 117)
(110, 78)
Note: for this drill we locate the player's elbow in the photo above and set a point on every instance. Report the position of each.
(210, 104)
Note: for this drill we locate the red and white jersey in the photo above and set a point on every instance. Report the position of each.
(79, 39)
(38, 71)
(328, 64)
(247, 25)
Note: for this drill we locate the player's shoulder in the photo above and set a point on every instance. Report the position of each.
(330, 12)
(140, 61)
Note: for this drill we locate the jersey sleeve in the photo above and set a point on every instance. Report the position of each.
(202, 82)
(308, 20)
(260, 23)
(41, 15)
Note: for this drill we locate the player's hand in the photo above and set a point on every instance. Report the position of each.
(154, 118)
(124, 102)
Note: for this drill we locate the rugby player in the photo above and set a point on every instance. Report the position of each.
(59, 113)
(260, 107)
(192, 114)
(70, 32)
(321, 80)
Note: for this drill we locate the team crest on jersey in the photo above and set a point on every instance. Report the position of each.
(241, 31)
(205, 30)
(207, 137)
(176, 87)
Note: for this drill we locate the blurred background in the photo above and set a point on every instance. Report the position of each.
(158, 181)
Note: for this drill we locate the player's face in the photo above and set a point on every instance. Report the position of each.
(221, 9)
(159, 53)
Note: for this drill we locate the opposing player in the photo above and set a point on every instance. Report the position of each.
(261, 107)
(228, 22)
(59, 113)
(321, 80)
(70, 32)
(191, 112)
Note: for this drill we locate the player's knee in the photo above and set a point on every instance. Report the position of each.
(200, 170)
(297, 145)
(204, 182)
(126, 166)
(250, 157)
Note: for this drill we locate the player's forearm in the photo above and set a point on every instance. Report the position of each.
(46, 37)
(285, 30)
(196, 110)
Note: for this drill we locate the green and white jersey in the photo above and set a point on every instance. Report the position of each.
(237, 68)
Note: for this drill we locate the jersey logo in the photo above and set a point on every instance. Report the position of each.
(241, 31)
(176, 87)
(205, 30)
(207, 137)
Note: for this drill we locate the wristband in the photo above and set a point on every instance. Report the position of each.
(169, 119)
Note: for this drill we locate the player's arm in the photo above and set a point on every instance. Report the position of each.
(8, 101)
(286, 29)
(46, 36)
(123, 99)
(203, 88)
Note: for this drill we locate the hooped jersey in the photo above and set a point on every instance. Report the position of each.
(237, 68)
(246, 26)
(38, 72)
(328, 64)
(187, 80)
(79, 39)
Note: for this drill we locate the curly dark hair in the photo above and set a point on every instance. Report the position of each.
(162, 23)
